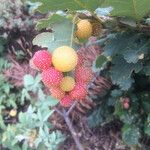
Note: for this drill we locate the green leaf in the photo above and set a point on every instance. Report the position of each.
(115, 94)
(53, 5)
(117, 43)
(131, 134)
(145, 99)
(132, 46)
(100, 115)
(100, 61)
(45, 23)
(134, 52)
(121, 72)
(61, 35)
(43, 39)
(146, 69)
(52, 101)
(28, 80)
(136, 9)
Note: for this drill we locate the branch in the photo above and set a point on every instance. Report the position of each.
(73, 133)
(59, 112)
(65, 115)
(71, 108)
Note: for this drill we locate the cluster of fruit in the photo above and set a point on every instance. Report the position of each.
(63, 73)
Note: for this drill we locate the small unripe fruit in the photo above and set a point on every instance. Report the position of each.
(64, 58)
(13, 113)
(84, 29)
(126, 105)
(67, 83)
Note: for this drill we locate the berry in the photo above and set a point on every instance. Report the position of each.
(32, 65)
(57, 93)
(79, 92)
(66, 101)
(51, 77)
(64, 58)
(126, 105)
(13, 113)
(84, 29)
(83, 74)
(42, 59)
(67, 83)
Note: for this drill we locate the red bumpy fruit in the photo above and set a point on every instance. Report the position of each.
(57, 92)
(42, 59)
(66, 101)
(51, 77)
(79, 92)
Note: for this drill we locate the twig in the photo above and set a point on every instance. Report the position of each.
(72, 130)
(71, 108)
(65, 115)
(58, 111)
(72, 32)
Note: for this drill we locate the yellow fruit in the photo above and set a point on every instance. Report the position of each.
(67, 84)
(13, 113)
(64, 58)
(84, 29)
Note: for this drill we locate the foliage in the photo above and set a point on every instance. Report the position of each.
(32, 128)
(130, 8)
(125, 61)
(125, 58)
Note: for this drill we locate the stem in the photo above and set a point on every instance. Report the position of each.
(73, 133)
(59, 112)
(71, 108)
(72, 32)
(65, 115)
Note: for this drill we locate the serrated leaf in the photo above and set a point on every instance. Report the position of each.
(133, 47)
(121, 72)
(136, 9)
(117, 43)
(100, 61)
(45, 23)
(43, 39)
(28, 80)
(100, 115)
(53, 5)
(52, 101)
(95, 118)
(131, 134)
(61, 35)
(134, 52)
